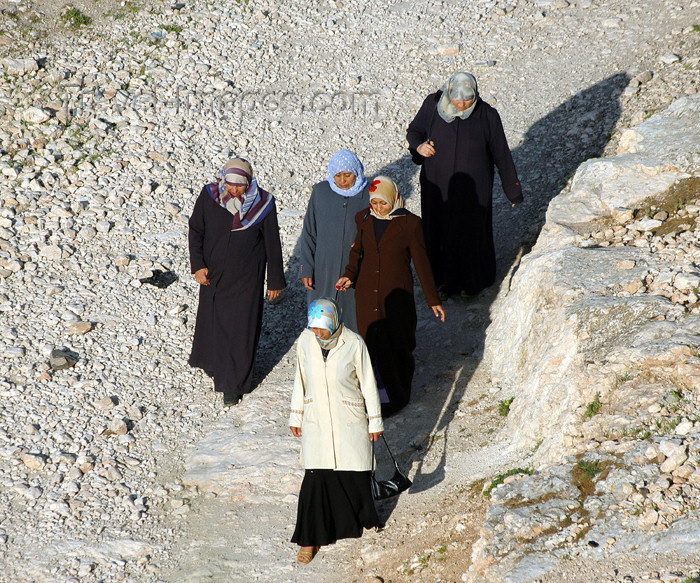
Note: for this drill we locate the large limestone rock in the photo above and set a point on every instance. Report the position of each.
(599, 348)
(569, 327)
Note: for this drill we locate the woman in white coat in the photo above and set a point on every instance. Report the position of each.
(336, 412)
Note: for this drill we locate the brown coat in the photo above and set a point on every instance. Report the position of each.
(386, 310)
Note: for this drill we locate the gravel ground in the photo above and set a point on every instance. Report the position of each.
(108, 131)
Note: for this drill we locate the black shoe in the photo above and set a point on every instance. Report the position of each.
(230, 400)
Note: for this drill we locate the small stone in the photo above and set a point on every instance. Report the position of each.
(645, 77)
(633, 287)
(12, 351)
(35, 115)
(51, 252)
(118, 427)
(60, 507)
(669, 58)
(19, 67)
(104, 404)
(449, 50)
(686, 282)
(684, 427)
(694, 478)
(611, 22)
(626, 264)
(684, 472)
(61, 359)
(80, 328)
(113, 474)
(135, 412)
(33, 461)
(622, 215)
(675, 454)
(648, 519)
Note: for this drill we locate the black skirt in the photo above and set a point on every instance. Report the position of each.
(334, 505)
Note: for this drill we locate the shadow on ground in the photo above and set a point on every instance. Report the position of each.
(553, 148)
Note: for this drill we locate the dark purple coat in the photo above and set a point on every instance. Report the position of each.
(456, 192)
(229, 317)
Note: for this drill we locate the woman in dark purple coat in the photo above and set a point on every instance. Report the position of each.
(233, 235)
(458, 138)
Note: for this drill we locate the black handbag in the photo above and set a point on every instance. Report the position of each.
(383, 489)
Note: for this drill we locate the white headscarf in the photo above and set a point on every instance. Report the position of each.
(462, 87)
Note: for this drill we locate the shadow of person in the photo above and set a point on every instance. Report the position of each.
(282, 322)
(447, 355)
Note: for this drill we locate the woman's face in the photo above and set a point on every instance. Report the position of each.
(345, 180)
(462, 104)
(379, 206)
(322, 333)
(236, 189)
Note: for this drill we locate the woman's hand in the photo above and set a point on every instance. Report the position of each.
(296, 431)
(439, 312)
(372, 436)
(273, 294)
(308, 282)
(343, 284)
(200, 276)
(426, 149)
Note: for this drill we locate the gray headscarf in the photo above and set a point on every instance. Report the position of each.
(461, 86)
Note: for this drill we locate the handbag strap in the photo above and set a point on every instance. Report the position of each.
(391, 455)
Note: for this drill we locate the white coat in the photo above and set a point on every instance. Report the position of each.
(335, 403)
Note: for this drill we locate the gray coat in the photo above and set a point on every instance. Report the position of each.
(329, 232)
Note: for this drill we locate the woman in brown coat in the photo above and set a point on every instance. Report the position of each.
(388, 238)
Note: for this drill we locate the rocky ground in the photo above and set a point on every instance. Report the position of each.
(125, 466)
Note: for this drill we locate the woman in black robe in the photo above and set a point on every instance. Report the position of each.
(233, 235)
(458, 138)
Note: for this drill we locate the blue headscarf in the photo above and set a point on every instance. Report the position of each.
(325, 313)
(346, 161)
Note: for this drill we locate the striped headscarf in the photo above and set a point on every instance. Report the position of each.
(252, 206)
(346, 161)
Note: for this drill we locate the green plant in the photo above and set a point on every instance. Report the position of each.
(504, 407)
(590, 469)
(498, 480)
(665, 426)
(537, 445)
(76, 18)
(177, 29)
(442, 549)
(593, 407)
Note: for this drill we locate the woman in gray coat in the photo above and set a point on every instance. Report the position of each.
(329, 231)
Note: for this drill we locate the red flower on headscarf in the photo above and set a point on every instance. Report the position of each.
(373, 186)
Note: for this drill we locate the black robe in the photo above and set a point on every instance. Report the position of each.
(229, 317)
(456, 192)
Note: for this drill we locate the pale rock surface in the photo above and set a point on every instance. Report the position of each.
(599, 349)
